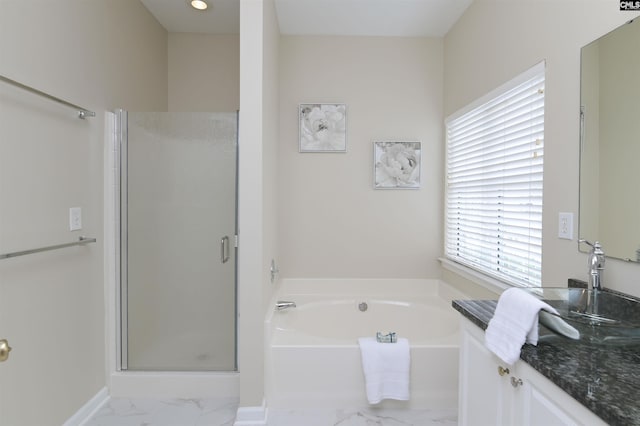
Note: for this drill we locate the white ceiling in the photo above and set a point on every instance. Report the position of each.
(177, 16)
(407, 18)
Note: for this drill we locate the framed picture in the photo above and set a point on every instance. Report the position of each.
(397, 165)
(323, 127)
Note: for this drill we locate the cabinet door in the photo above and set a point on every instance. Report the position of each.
(485, 396)
(522, 396)
(539, 402)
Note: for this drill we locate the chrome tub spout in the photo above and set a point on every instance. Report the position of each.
(282, 305)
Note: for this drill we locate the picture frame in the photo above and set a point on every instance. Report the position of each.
(397, 164)
(322, 127)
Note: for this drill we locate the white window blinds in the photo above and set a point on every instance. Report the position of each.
(494, 182)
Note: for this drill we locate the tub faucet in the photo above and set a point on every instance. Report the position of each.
(596, 265)
(282, 305)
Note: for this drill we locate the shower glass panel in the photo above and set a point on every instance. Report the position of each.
(178, 255)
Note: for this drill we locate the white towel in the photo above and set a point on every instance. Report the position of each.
(558, 325)
(386, 369)
(515, 322)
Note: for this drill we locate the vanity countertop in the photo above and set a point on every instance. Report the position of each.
(605, 379)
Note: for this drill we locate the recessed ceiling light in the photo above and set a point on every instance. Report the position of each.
(199, 4)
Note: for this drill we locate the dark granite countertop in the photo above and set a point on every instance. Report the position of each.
(605, 379)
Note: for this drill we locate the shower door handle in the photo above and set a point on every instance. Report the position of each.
(224, 249)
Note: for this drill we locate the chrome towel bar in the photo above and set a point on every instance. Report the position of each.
(82, 112)
(81, 241)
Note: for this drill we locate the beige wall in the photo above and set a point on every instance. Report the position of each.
(490, 44)
(270, 141)
(204, 72)
(257, 188)
(332, 222)
(102, 55)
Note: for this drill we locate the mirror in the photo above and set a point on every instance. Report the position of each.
(610, 143)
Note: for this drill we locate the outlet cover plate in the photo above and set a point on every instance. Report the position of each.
(565, 226)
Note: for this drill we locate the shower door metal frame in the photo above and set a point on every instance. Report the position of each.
(121, 200)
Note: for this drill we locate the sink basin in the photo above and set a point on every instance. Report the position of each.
(601, 317)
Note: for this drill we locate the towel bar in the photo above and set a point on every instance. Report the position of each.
(82, 112)
(81, 241)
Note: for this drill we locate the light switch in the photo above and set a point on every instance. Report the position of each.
(75, 218)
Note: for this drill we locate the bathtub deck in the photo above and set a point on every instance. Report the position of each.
(314, 361)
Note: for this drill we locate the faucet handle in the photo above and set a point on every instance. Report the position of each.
(582, 240)
(596, 246)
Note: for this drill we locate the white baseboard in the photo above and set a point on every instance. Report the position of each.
(252, 416)
(89, 409)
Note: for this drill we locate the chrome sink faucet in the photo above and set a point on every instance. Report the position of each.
(596, 265)
(282, 305)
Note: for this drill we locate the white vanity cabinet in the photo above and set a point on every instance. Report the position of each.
(493, 393)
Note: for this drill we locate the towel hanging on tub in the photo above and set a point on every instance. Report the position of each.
(386, 369)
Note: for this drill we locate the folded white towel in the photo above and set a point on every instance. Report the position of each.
(515, 322)
(386, 369)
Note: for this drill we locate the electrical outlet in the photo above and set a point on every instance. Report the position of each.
(565, 226)
(75, 218)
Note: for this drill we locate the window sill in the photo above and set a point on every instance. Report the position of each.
(474, 276)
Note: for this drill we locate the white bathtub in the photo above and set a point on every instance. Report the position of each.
(313, 359)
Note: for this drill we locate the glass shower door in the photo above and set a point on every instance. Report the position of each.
(178, 256)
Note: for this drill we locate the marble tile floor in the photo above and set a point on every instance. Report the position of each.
(221, 412)
(165, 412)
(362, 417)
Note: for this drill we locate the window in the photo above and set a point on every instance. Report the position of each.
(493, 211)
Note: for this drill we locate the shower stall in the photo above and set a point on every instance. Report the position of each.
(177, 263)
